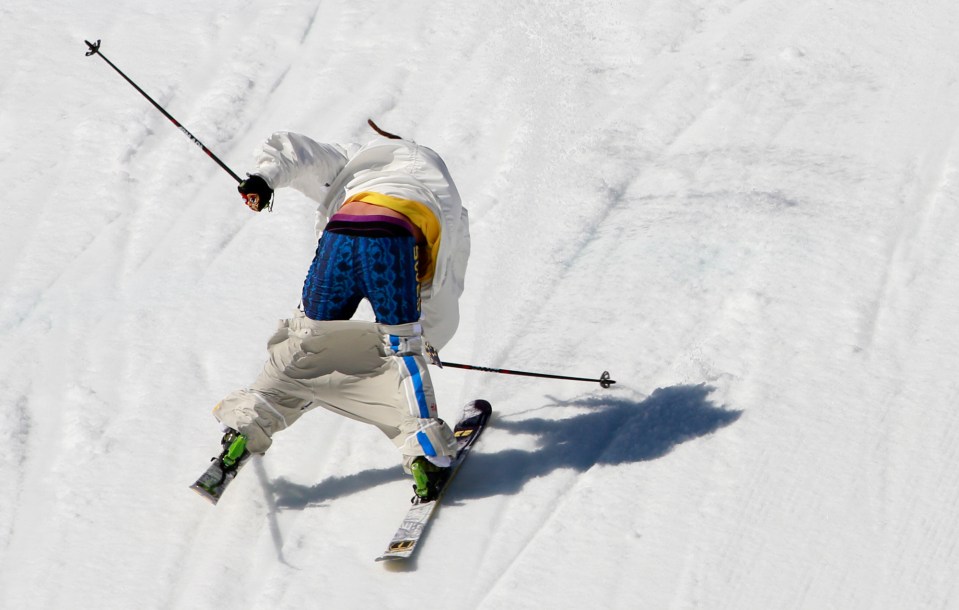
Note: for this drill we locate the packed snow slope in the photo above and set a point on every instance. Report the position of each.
(745, 210)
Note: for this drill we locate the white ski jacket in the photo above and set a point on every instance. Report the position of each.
(398, 174)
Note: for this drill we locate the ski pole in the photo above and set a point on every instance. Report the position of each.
(95, 50)
(603, 380)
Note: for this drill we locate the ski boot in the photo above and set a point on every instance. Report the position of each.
(428, 480)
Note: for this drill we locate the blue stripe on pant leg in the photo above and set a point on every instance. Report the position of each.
(425, 443)
(417, 380)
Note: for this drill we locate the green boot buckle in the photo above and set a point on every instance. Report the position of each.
(234, 451)
(421, 478)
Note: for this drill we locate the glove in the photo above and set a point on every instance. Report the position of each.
(257, 194)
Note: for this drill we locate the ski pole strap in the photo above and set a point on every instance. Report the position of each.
(603, 380)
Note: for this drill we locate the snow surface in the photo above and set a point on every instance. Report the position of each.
(745, 210)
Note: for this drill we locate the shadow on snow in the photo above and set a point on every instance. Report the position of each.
(612, 431)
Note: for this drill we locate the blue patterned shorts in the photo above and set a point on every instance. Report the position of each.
(380, 266)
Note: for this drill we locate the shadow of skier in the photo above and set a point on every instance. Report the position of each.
(612, 431)
(293, 495)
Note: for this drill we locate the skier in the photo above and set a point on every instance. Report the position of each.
(391, 229)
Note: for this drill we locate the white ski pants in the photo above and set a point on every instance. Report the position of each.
(369, 372)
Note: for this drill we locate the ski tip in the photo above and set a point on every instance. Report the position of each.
(204, 494)
(482, 405)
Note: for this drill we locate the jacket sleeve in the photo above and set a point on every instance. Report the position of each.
(294, 160)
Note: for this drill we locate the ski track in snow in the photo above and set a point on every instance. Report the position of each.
(744, 210)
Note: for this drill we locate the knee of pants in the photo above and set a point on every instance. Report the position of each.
(430, 437)
(251, 414)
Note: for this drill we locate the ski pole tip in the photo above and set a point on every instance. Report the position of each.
(605, 381)
(93, 46)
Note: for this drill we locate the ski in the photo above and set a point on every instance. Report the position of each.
(475, 416)
(223, 469)
(214, 482)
